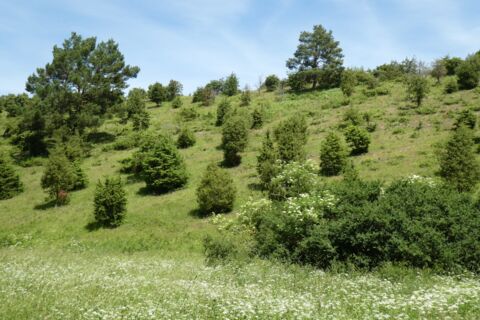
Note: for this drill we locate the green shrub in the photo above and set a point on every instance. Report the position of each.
(332, 155)
(185, 139)
(292, 180)
(258, 116)
(352, 117)
(272, 82)
(216, 192)
(110, 203)
(219, 250)
(59, 177)
(357, 139)
(188, 113)
(267, 161)
(348, 82)
(451, 85)
(468, 75)
(223, 110)
(177, 103)
(161, 165)
(230, 85)
(466, 118)
(458, 163)
(81, 179)
(141, 121)
(234, 139)
(245, 97)
(10, 184)
(291, 136)
(417, 88)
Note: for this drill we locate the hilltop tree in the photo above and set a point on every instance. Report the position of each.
(272, 82)
(230, 85)
(157, 93)
(174, 89)
(216, 192)
(83, 81)
(348, 82)
(234, 139)
(291, 136)
(110, 202)
(439, 70)
(458, 164)
(10, 184)
(267, 161)
(417, 88)
(333, 156)
(319, 57)
(468, 72)
(451, 64)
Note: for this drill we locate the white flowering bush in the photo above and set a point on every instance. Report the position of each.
(293, 179)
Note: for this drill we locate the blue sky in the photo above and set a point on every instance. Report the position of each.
(197, 41)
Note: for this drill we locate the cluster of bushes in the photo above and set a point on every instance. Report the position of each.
(415, 222)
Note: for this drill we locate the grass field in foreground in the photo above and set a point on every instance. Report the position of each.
(56, 285)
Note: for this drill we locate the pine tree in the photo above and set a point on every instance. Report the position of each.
(59, 177)
(267, 161)
(10, 184)
(216, 192)
(110, 203)
(458, 164)
(332, 156)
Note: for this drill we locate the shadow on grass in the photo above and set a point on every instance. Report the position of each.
(196, 213)
(95, 225)
(255, 186)
(46, 205)
(131, 179)
(100, 137)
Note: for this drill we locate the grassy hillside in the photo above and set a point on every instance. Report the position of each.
(39, 241)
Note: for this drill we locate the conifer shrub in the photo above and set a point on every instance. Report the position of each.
(110, 202)
(141, 121)
(10, 184)
(258, 116)
(177, 103)
(348, 82)
(161, 165)
(451, 85)
(466, 118)
(357, 139)
(291, 136)
(216, 192)
(245, 97)
(272, 82)
(188, 113)
(332, 155)
(59, 177)
(185, 139)
(81, 179)
(267, 167)
(234, 139)
(223, 110)
(459, 166)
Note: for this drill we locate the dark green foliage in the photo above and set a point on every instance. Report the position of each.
(177, 103)
(161, 165)
(234, 139)
(291, 136)
(417, 88)
(332, 156)
(458, 164)
(468, 73)
(230, 85)
(414, 222)
(59, 177)
(451, 85)
(352, 117)
(81, 179)
(186, 139)
(188, 113)
(219, 250)
(173, 90)
(93, 76)
(466, 118)
(13, 104)
(110, 203)
(31, 133)
(10, 184)
(141, 121)
(204, 95)
(451, 64)
(319, 52)
(348, 82)
(245, 97)
(223, 109)
(216, 191)
(267, 161)
(157, 93)
(258, 115)
(357, 139)
(272, 82)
